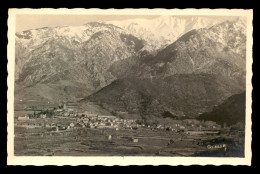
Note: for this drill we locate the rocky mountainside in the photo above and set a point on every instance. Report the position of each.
(190, 76)
(220, 50)
(67, 58)
(163, 30)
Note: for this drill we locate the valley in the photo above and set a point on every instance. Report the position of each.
(171, 86)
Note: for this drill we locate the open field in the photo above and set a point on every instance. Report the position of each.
(96, 142)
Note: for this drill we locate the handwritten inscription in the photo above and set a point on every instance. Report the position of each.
(218, 146)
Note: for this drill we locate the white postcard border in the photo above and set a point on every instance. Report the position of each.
(123, 161)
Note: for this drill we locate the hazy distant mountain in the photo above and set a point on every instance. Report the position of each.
(163, 30)
(67, 58)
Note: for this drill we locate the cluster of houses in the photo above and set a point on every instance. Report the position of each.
(185, 125)
(103, 121)
(196, 125)
(91, 120)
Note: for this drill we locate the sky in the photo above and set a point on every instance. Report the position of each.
(29, 21)
(26, 22)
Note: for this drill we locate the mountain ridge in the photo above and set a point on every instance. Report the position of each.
(163, 30)
(195, 62)
(54, 56)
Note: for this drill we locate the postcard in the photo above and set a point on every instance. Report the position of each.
(129, 87)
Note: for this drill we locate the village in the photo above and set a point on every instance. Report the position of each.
(69, 118)
(66, 129)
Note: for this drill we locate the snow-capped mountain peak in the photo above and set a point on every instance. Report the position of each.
(165, 29)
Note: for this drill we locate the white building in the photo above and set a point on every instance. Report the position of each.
(25, 117)
(43, 116)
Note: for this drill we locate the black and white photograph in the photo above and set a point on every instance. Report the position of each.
(137, 84)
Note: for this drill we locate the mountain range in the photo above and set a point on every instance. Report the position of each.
(183, 65)
(161, 31)
(67, 58)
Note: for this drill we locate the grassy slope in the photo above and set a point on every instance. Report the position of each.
(231, 111)
(188, 94)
